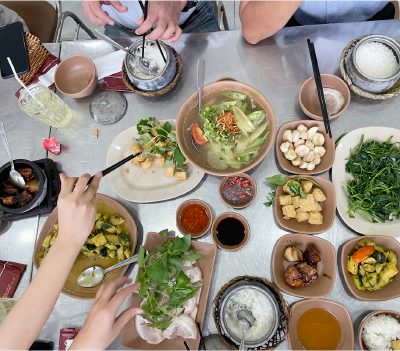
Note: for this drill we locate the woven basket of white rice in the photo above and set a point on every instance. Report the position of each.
(379, 330)
(392, 92)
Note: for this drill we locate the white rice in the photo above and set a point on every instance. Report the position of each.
(151, 52)
(261, 309)
(379, 331)
(376, 60)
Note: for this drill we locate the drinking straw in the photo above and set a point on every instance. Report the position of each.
(157, 42)
(20, 82)
(320, 88)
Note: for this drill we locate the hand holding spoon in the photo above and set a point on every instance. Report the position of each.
(15, 178)
(94, 275)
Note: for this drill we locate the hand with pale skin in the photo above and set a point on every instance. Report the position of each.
(76, 214)
(102, 326)
(95, 14)
(166, 15)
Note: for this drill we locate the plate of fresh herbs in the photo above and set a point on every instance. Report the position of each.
(366, 177)
(160, 272)
(137, 184)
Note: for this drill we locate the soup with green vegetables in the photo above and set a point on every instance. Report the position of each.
(230, 130)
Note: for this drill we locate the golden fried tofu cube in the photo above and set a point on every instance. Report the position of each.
(395, 344)
(302, 216)
(296, 201)
(179, 174)
(137, 163)
(317, 207)
(286, 186)
(173, 131)
(285, 200)
(307, 204)
(306, 186)
(288, 211)
(161, 161)
(99, 240)
(148, 162)
(161, 144)
(170, 171)
(135, 148)
(319, 195)
(315, 218)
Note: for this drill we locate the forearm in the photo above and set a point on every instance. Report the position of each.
(29, 315)
(261, 19)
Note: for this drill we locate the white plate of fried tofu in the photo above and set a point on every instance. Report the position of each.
(147, 180)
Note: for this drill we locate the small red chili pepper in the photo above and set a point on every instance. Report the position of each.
(242, 196)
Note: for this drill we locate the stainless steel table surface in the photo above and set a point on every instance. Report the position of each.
(277, 67)
(24, 134)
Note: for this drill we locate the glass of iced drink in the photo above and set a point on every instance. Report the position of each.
(51, 110)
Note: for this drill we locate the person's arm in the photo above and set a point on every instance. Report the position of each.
(102, 326)
(166, 15)
(261, 19)
(76, 214)
(95, 14)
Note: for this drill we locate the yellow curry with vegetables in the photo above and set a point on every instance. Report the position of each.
(107, 240)
(372, 266)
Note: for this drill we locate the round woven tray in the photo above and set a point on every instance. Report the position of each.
(130, 85)
(284, 311)
(393, 91)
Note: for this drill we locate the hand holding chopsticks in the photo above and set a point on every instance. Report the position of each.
(320, 88)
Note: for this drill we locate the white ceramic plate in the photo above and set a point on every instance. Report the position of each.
(340, 177)
(150, 185)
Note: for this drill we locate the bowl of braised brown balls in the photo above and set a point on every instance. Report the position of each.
(19, 200)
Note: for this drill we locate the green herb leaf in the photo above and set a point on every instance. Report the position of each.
(176, 262)
(179, 158)
(164, 233)
(169, 163)
(182, 279)
(172, 136)
(167, 127)
(162, 132)
(192, 257)
(106, 226)
(187, 239)
(277, 180)
(161, 249)
(141, 254)
(155, 271)
(160, 325)
(143, 289)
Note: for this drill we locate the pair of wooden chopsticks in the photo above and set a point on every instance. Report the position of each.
(144, 9)
(320, 88)
(201, 339)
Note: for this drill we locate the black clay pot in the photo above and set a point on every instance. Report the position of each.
(38, 174)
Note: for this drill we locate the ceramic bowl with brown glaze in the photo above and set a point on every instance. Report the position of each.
(71, 288)
(326, 160)
(337, 309)
(328, 209)
(188, 114)
(231, 204)
(230, 215)
(308, 95)
(389, 291)
(326, 268)
(390, 313)
(76, 76)
(182, 206)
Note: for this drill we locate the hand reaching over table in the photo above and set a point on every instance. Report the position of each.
(102, 326)
(95, 14)
(166, 15)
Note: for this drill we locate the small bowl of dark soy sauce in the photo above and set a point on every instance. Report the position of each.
(230, 231)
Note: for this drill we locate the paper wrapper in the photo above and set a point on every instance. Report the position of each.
(10, 275)
(67, 335)
(52, 145)
(50, 64)
(115, 82)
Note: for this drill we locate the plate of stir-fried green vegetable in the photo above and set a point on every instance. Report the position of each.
(366, 177)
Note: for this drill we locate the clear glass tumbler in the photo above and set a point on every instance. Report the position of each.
(53, 111)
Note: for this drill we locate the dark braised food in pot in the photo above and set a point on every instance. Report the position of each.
(14, 197)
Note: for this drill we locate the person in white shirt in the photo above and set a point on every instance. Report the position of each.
(262, 19)
(168, 18)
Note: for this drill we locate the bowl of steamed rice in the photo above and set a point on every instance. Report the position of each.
(144, 81)
(380, 330)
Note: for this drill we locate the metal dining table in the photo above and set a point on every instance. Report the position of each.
(277, 67)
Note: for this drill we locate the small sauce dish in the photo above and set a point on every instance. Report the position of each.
(230, 231)
(238, 191)
(194, 217)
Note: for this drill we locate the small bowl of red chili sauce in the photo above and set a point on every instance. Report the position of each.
(194, 217)
(238, 191)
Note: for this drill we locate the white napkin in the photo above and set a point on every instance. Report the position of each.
(105, 66)
(109, 64)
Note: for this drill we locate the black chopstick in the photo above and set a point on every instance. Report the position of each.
(320, 89)
(144, 19)
(157, 42)
(201, 336)
(186, 345)
(115, 166)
